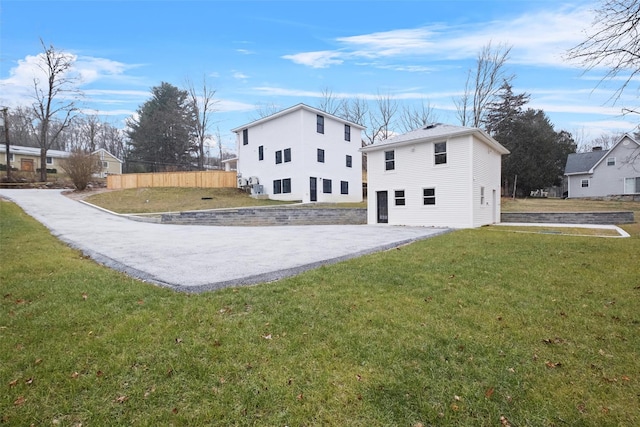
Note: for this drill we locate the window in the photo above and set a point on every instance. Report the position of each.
(584, 183)
(399, 196)
(320, 123)
(349, 161)
(632, 185)
(326, 186)
(440, 152)
(320, 155)
(611, 161)
(105, 164)
(429, 196)
(347, 133)
(261, 152)
(287, 155)
(10, 157)
(49, 160)
(277, 186)
(245, 136)
(286, 185)
(278, 157)
(344, 187)
(481, 196)
(389, 160)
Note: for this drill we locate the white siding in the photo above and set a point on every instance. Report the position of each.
(470, 165)
(297, 130)
(608, 179)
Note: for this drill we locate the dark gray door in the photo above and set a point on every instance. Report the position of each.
(313, 189)
(383, 207)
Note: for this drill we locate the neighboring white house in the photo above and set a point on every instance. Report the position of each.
(301, 153)
(605, 172)
(440, 175)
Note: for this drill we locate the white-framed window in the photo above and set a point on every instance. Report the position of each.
(261, 153)
(347, 133)
(632, 185)
(287, 155)
(320, 123)
(349, 161)
(277, 186)
(320, 155)
(389, 160)
(326, 186)
(399, 197)
(481, 196)
(429, 196)
(584, 183)
(344, 187)
(611, 161)
(10, 157)
(286, 185)
(440, 153)
(278, 157)
(105, 164)
(49, 160)
(245, 136)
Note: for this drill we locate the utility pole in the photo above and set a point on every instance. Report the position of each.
(6, 141)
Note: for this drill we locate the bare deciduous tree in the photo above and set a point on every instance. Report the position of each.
(204, 105)
(55, 98)
(417, 116)
(381, 119)
(612, 43)
(329, 103)
(483, 84)
(265, 109)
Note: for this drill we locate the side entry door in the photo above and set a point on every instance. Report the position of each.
(383, 207)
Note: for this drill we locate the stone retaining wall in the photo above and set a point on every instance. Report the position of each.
(269, 216)
(569, 217)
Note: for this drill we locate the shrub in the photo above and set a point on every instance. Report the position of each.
(80, 166)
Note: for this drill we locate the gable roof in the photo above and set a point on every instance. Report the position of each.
(102, 150)
(436, 132)
(290, 110)
(581, 163)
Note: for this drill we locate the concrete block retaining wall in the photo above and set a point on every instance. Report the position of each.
(569, 217)
(269, 216)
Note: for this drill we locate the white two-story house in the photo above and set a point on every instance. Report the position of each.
(440, 175)
(301, 153)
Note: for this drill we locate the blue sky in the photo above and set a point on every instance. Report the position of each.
(286, 52)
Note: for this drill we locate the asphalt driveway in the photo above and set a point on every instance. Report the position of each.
(196, 258)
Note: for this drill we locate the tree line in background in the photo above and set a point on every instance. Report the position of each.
(172, 128)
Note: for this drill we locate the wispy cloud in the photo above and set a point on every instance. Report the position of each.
(239, 75)
(538, 38)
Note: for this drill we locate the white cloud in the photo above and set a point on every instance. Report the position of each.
(538, 38)
(239, 75)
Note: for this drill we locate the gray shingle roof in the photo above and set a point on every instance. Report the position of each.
(583, 162)
(434, 132)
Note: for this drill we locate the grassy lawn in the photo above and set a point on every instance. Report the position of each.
(471, 328)
(172, 199)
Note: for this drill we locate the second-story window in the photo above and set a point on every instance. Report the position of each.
(245, 136)
(389, 160)
(440, 152)
(349, 161)
(261, 152)
(320, 123)
(347, 133)
(278, 157)
(287, 155)
(320, 155)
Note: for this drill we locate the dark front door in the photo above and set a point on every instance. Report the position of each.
(383, 207)
(313, 189)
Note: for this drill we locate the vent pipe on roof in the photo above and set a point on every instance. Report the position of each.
(431, 126)
(597, 148)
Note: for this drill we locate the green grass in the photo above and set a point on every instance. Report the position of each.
(172, 199)
(457, 330)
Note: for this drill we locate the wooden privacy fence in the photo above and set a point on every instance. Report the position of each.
(202, 179)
